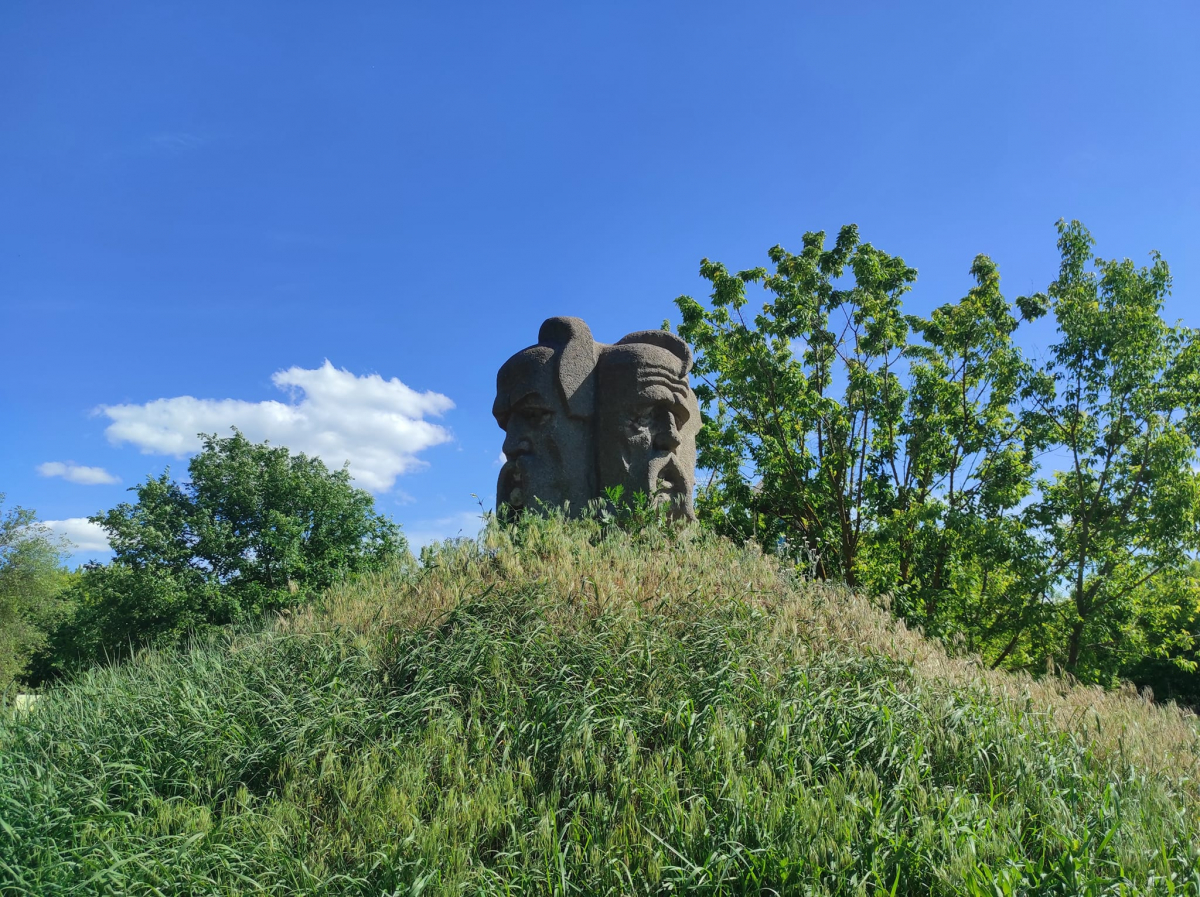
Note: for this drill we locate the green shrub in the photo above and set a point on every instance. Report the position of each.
(254, 530)
(32, 582)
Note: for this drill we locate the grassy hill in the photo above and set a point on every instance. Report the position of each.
(553, 709)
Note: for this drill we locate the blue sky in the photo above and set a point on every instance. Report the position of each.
(212, 200)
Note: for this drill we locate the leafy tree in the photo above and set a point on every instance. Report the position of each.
(1120, 403)
(900, 453)
(792, 464)
(255, 529)
(31, 581)
(946, 541)
(907, 482)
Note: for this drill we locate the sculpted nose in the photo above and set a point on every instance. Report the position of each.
(516, 444)
(666, 436)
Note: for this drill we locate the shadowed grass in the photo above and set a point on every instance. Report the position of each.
(556, 709)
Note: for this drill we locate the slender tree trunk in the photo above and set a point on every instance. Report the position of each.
(935, 586)
(1074, 642)
(1012, 643)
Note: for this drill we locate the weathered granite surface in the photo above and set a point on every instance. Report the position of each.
(580, 416)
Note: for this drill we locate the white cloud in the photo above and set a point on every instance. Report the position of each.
(375, 424)
(80, 532)
(423, 532)
(77, 473)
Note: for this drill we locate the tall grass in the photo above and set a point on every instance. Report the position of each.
(558, 709)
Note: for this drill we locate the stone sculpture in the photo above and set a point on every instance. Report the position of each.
(545, 403)
(580, 417)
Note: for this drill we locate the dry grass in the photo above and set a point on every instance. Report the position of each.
(614, 572)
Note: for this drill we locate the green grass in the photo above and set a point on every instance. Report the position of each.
(556, 710)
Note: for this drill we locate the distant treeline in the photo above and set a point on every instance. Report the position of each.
(1034, 512)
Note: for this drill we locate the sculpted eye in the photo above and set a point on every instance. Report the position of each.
(534, 416)
(640, 420)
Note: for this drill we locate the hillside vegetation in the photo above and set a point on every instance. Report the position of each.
(563, 708)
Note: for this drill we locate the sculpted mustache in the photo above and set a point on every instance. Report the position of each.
(511, 483)
(665, 466)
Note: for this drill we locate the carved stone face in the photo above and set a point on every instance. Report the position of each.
(548, 452)
(647, 420)
(580, 417)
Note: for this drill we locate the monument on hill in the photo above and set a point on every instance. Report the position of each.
(580, 417)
